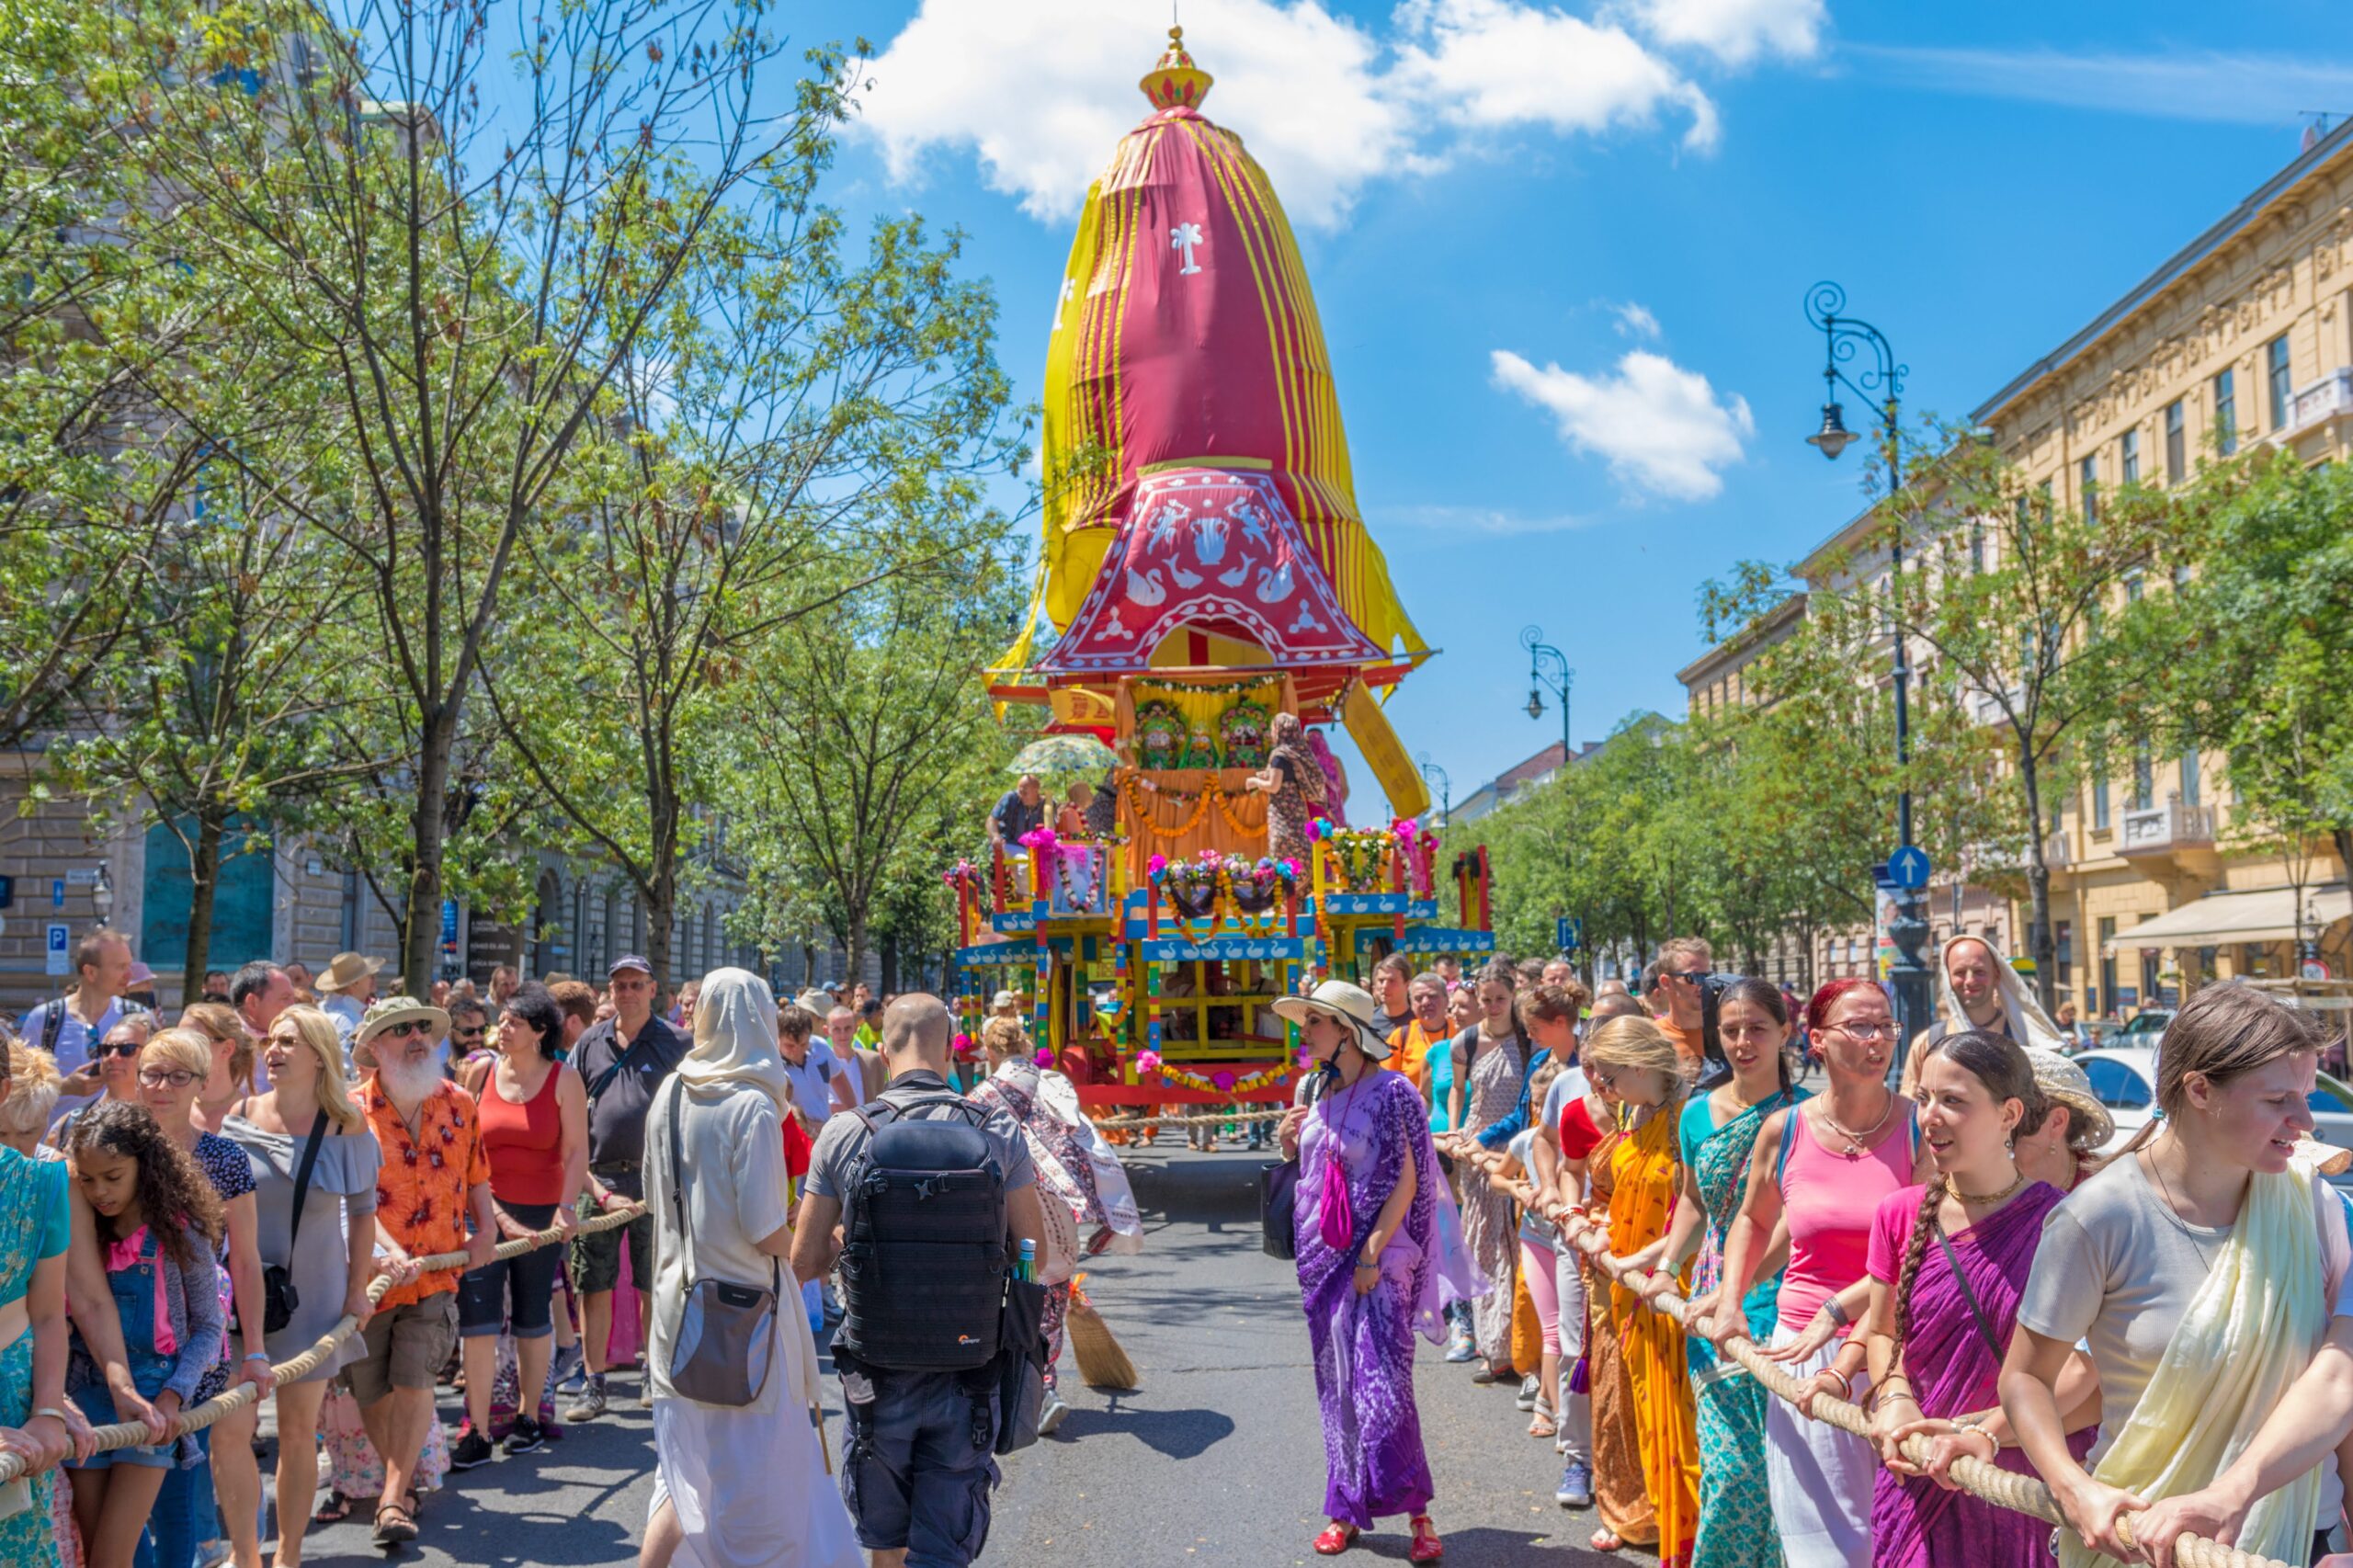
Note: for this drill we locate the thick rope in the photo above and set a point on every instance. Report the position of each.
(1216, 1119)
(2003, 1488)
(133, 1433)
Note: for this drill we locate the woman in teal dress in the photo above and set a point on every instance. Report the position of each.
(1718, 1131)
(35, 1227)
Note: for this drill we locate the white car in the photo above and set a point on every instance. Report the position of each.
(2125, 1079)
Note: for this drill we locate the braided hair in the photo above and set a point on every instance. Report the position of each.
(174, 1195)
(1995, 1061)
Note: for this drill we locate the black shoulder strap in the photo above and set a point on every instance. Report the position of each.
(302, 1179)
(605, 1079)
(52, 1024)
(1984, 1329)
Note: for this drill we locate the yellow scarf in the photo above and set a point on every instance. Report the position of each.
(2250, 1331)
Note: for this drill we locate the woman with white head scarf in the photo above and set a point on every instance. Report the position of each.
(736, 1486)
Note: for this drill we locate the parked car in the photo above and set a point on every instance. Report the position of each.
(2125, 1079)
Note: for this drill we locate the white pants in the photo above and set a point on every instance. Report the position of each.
(1573, 1411)
(1820, 1477)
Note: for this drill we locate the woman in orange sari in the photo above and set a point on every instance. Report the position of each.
(1642, 1067)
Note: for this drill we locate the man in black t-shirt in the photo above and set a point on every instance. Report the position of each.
(623, 1059)
(1022, 810)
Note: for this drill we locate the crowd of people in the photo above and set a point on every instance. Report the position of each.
(1937, 1231)
(191, 1208)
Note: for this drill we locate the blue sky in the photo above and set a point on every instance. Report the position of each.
(1561, 251)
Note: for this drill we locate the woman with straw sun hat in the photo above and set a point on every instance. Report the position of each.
(1370, 1265)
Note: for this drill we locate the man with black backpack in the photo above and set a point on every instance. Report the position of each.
(925, 1199)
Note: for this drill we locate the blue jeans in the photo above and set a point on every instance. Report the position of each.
(184, 1515)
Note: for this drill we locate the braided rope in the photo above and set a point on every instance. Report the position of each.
(133, 1433)
(1217, 1118)
(2003, 1488)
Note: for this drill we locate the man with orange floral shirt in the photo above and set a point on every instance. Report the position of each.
(434, 1177)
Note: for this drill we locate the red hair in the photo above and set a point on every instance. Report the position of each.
(1818, 1010)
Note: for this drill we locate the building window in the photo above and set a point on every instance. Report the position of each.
(2189, 777)
(1977, 543)
(2176, 444)
(2226, 414)
(2131, 471)
(2133, 584)
(2063, 942)
(2283, 393)
(2101, 818)
(2087, 487)
(2144, 777)
(2106, 964)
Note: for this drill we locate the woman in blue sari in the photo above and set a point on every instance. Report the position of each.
(36, 1226)
(1718, 1132)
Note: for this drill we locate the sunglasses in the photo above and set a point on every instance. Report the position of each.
(1689, 976)
(400, 1031)
(121, 1048)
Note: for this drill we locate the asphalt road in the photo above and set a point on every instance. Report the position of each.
(1217, 1459)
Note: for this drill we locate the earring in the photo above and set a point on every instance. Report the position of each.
(2009, 1145)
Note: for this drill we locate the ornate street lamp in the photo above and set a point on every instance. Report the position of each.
(1548, 670)
(1432, 771)
(1879, 381)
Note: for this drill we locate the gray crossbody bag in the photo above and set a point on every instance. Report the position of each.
(727, 1333)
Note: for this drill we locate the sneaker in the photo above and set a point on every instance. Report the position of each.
(525, 1434)
(1458, 1346)
(471, 1451)
(1527, 1400)
(1051, 1417)
(568, 1372)
(1577, 1485)
(591, 1403)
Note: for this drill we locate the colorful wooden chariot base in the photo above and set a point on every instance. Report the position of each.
(1205, 572)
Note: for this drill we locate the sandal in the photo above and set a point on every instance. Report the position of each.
(395, 1525)
(1489, 1373)
(1426, 1546)
(1542, 1427)
(332, 1509)
(1336, 1537)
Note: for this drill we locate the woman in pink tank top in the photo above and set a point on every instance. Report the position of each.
(1820, 1170)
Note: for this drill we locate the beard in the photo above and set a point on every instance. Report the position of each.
(407, 1084)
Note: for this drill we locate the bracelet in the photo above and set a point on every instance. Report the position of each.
(1837, 1313)
(53, 1414)
(1362, 1264)
(260, 1355)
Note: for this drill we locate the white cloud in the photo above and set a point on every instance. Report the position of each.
(1491, 63)
(1734, 31)
(1661, 428)
(1634, 319)
(2238, 89)
(1039, 91)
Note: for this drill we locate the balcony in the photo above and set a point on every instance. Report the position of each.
(2325, 399)
(2173, 834)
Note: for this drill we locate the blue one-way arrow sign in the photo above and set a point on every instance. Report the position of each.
(1908, 867)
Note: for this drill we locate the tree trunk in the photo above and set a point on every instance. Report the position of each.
(890, 961)
(2343, 838)
(428, 822)
(854, 942)
(2039, 944)
(203, 884)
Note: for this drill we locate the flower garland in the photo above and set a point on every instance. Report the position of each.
(1078, 893)
(1357, 857)
(1196, 888)
(1211, 794)
(1222, 1082)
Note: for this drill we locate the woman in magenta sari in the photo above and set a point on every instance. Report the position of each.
(1949, 1261)
(1370, 1266)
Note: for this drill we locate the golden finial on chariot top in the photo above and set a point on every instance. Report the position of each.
(1175, 81)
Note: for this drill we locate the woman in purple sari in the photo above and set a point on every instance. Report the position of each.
(1370, 1261)
(1949, 1261)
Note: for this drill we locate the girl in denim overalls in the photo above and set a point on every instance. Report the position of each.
(158, 1220)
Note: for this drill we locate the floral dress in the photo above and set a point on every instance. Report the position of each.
(1064, 1171)
(1735, 1517)
(1489, 1228)
(34, 1225)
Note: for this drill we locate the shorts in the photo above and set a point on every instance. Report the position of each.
(408, 1347)
(914, 1478)
(97, 1405)
(596, 1258)
(522, 1289)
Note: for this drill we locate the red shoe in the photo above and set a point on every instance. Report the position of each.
(1426, 1546)
(1336, 1537)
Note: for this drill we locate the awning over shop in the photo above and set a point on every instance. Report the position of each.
(2266, 914)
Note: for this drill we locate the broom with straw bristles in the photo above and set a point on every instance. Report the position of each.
(1101, 1363)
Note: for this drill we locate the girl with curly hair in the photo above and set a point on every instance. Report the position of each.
(158, 1223)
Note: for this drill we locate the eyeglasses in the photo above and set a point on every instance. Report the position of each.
(156, 1077)
(1887, 1030)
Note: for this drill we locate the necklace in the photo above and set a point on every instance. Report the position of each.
(1858, 1143)
(2016, 1181)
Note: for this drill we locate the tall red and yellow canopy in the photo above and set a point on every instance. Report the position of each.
(1186, 338)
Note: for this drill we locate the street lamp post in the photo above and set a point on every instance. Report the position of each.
(1879, 381)
(1431, 770)
(1548, 670)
